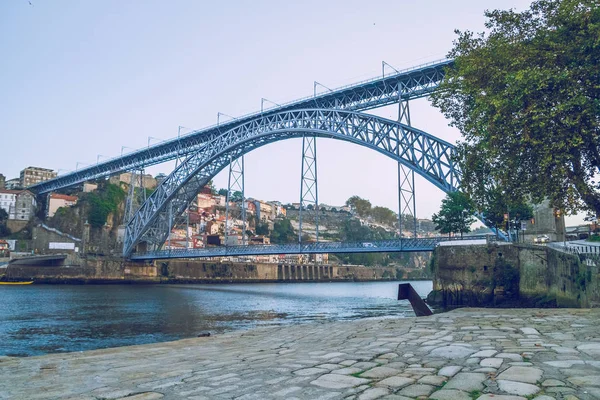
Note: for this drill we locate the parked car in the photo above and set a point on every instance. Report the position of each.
(541, 239)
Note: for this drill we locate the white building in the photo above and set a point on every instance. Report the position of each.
(18, 204)
(8, 199)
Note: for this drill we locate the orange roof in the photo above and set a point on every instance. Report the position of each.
(66, 197)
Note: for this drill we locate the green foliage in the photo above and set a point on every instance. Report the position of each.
(262, 228)
(456, 214)
(283, 232)
(4, 231)
(526, 97)
(236, 196)
(383, 215)
(102, 202)
(353, 231)
(360, 205)
(594, 238)
(222, 192)
(211, 186)
(498, 204)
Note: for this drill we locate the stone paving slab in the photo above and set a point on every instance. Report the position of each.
(477, 354)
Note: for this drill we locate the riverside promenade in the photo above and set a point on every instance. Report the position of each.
(487, 354)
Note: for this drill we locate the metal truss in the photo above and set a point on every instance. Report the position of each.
(404, 85)
(309, 194)
(406, 179)
(429, 156)
(235, 183)
(380, 246)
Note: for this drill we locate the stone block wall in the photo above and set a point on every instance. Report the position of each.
(518, 275)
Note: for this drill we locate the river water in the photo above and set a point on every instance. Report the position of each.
(40, 319)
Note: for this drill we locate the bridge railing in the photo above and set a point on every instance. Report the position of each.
(379, 246)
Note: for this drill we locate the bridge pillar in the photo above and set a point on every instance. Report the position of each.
(406, 179)
(235, 184)
(309, 196)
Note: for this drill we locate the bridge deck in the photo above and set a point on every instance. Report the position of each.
(380, 246)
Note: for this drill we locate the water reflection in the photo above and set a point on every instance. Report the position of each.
(45, 319)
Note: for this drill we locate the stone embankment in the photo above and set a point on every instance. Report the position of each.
(75, 269)
(480, 354)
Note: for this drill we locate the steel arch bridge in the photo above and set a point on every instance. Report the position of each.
(423, 153)
(397, 87)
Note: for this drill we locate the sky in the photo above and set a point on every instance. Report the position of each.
(81, 81)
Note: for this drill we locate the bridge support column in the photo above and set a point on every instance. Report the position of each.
(406, 180)
(308, 184)
(235, 184)
(133, 201)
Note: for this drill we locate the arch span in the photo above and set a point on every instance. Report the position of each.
(427, 155)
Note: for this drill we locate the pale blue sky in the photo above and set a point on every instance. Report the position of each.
(82, 78)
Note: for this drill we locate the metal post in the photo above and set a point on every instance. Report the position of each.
(129, 205)
(308, 183)
(406, 176)
(142, 187)
(170, 225)
(236, 183)
(187, 227)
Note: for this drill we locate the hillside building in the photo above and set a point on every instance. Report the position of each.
(58, 200)
(148, 180)
(18, 204)
(34, 175)
(12, 184)
(2, 181)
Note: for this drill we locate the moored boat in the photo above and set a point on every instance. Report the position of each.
(16, 283)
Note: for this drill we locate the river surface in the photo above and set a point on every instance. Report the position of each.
(41, 319)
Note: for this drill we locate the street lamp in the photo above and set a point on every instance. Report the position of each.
(155, 138)
(125, 147)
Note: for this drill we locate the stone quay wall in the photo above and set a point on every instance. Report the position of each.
(98, 269)
(510, 274)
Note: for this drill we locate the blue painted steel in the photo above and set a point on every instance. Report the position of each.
(380, 246)
(404, 85)
(429, 156)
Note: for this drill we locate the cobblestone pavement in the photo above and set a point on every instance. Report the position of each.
(465, 354)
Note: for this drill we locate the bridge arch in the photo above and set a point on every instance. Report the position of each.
(427, 155)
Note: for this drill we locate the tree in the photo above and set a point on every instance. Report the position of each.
(102, 202)
(498, 208)
(262, 228)
(236, 196)
(4, 231)
(526, 99)
(456, 214)
(222, 192)
(360, 205)
(283, 232)
(211, 186)
(383, 215)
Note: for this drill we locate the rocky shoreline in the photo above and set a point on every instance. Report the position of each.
(501, 354)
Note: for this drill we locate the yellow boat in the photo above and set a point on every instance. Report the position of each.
(16, 283)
